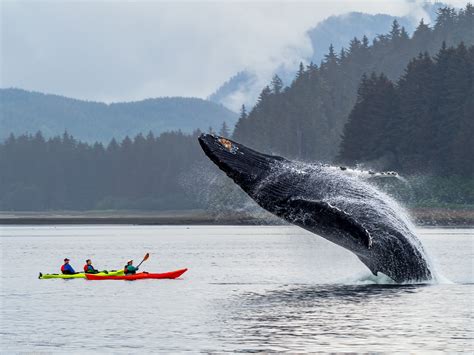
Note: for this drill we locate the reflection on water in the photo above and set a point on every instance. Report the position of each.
(248, 289)
(345, 318)
(324, 295)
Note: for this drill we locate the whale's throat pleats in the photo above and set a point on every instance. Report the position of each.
(305, 212)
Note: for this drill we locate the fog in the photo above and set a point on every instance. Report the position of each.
(123, 51)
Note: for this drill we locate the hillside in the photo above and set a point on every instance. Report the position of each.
(24, 111)
(336, 30)
(306, 119)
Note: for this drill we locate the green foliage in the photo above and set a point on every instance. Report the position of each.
(62, 173)
(424, 124)
(306, 120)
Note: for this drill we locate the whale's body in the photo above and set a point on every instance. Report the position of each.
(329, 202)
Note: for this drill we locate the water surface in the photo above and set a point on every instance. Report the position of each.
(247, 289)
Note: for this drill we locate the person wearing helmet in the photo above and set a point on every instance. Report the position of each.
(129, 269)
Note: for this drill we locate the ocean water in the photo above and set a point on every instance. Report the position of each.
(248, 289)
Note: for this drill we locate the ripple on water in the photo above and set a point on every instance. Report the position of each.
(248, 289)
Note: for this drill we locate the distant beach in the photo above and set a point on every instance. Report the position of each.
(421, 216)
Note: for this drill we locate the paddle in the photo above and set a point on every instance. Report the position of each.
(147, 255)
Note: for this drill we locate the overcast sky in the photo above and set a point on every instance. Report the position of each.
(130, 50)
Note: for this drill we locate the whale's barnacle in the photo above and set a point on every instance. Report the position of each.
(226, 143)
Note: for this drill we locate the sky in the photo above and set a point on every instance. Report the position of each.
(130, 50)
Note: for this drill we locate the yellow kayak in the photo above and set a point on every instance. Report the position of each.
(80, 275)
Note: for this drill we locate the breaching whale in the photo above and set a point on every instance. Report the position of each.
(329, 202)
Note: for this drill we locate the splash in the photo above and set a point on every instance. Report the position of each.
(331, 202)
(367, 278)
(352, 197)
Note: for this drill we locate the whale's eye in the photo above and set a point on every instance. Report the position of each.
(226, 143)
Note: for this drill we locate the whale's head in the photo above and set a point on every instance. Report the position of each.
(245, 166)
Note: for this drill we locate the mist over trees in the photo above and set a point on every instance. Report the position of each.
(63, 173)
(400, 103)
(306, 119)
(27, 112)
(244, 87)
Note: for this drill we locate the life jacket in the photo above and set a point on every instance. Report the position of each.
(68, 270)
(86, 267)
(128, 272)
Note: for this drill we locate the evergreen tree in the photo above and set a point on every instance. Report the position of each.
(395, 32)
(224, 132)
(277, 84)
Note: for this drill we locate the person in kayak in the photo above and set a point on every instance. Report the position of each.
(67, 268)
(89, 269)
(129, 269)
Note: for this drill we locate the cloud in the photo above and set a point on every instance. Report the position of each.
(130, 50)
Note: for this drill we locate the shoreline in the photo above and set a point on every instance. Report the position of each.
(421, 217)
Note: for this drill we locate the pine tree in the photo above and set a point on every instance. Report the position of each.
(417, 94)
(395, 32)
(276, 84)
(224, 132)
(300, 71)
(365, 42)
(241, 125)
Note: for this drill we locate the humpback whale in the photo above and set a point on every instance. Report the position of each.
(329, 202)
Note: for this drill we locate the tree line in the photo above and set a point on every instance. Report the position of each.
(25, 111)
(419, 122)
(424, 123)
(306, 119)
(63, 173)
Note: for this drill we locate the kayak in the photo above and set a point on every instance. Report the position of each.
(139, 276)
(79, 275)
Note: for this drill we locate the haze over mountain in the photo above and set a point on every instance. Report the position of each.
(413, 116)
(24, 111)
(306, 119)
(115, 51)
(245, 86)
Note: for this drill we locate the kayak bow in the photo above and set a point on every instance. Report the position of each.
(79, 275)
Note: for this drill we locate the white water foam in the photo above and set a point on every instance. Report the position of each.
(367, 278)
(386, 205)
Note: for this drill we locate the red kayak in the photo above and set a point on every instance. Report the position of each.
(139, 276)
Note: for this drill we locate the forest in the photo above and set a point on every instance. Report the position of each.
(412, 127)
(401, 103)
(306, 119)
(61, 173)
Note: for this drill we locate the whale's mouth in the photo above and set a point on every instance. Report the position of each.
(240, 163)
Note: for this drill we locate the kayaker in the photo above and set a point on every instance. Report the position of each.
(89, 269)
(129, 269)
(66, 268)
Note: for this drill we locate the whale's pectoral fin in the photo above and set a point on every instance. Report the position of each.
(333, 217)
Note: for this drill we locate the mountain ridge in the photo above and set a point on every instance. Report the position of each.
(29, 111)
